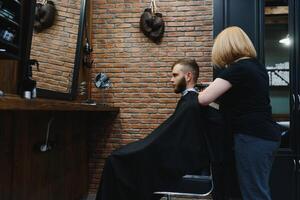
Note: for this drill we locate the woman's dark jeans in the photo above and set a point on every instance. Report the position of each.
(254, 158)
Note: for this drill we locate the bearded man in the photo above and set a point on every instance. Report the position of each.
(177, 147)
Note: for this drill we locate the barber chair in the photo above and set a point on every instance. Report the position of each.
(200, 184)
(190, 186)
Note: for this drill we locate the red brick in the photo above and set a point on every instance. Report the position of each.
(140, 70)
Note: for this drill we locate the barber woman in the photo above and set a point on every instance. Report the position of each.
(243, 88)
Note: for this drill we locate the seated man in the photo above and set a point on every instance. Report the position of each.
(177, 147)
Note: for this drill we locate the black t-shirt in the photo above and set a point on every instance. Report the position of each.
(247, 102)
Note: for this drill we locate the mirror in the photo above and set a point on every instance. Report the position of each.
(58, 49)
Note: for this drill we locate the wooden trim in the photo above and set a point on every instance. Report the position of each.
(13, 102)
(277, 10)
(281, 117)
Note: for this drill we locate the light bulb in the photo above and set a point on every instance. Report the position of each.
(286, 41)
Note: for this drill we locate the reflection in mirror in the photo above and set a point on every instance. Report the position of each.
(277, 60)
(277, 42)
(56, 48)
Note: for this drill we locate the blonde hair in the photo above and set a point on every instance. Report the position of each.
(230, 45)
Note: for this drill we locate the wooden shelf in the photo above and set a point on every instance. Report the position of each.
(12, 102)
(17, 2)
(9, 44)
(7, 55)
(9, 21)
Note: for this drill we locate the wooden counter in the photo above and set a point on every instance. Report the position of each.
(60, 173)
(17, 103)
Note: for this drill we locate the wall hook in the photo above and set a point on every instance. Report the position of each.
(46, 147)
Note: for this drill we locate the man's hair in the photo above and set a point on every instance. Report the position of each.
(190, 65)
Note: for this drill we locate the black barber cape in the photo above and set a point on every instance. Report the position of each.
(177, 147)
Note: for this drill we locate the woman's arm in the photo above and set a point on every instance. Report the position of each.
(213, 91)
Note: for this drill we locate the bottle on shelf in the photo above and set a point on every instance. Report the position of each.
(28, 85)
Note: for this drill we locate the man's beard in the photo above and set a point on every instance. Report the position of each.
(181, 86)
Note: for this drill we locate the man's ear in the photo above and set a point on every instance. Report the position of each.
(188, 76)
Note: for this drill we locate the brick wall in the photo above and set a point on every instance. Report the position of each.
(140, 70)
(55, 48)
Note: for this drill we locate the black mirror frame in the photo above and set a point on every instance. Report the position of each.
(77, 63)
